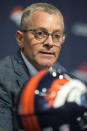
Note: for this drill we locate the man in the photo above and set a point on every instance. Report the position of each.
(40, 39)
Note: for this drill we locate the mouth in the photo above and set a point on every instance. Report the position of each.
(47, 53)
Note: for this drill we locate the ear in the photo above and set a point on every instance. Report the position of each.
(64, 37)
(19, 38)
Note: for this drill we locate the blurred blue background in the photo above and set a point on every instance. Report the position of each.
(73, 55)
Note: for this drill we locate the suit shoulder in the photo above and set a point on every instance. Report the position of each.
(5, 62)
(6, 66)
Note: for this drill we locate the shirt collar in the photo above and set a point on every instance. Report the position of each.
(32, 70)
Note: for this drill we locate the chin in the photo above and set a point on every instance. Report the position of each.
(45, 65)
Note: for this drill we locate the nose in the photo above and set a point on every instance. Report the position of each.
(49, 41)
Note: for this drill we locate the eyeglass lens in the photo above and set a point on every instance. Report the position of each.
(42, 35)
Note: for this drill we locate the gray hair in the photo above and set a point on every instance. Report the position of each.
(34, 7)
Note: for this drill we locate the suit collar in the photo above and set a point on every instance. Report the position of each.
(19, 65)
(22, 73)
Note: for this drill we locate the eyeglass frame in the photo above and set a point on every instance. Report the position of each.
(47, 33)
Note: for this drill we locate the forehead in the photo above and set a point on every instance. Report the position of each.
(50, 22)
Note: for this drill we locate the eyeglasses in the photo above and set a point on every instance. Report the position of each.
(42, 35)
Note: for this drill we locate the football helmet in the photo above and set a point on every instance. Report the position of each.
(52, 99)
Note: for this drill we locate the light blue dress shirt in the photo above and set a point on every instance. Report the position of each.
(30, 67)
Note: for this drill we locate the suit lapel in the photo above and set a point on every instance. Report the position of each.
(22, 79)
(22, 73)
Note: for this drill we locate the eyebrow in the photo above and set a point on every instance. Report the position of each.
(44, 29)
(57, 30)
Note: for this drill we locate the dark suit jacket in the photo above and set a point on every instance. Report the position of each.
(13, 75)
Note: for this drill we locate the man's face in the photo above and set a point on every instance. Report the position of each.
(42, 54)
